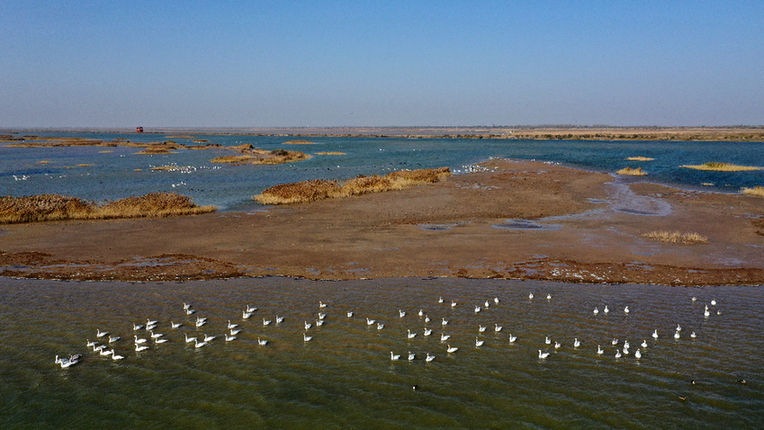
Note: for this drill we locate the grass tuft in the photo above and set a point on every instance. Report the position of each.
(721, 167)
(676, 237)
(640, 159)
(755, 191)
(53, 207)
(310, 191)
(632, 172)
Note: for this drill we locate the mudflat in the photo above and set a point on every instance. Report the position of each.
(513, 219)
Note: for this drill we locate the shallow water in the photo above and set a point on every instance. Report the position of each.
(99, 173)
(344, 376)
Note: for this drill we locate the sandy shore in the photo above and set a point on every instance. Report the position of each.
(587, 229)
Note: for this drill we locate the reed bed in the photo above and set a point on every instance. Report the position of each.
(320, 189)
(53, 207)
(721, 167)
(632, 172)
(755, 191)
(676, 237)
(640, 158)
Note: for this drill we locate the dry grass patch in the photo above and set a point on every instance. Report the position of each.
(721, 167)
(330, 153)
(299, 142)
(755, 191)
(231, 159)
(632, 172)
(310, 191)
(51, 207)
(676, 237)
(154, 151)
(640, 159)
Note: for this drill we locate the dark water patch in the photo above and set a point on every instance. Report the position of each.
(635, 212)
(434, 227)
(523, 224)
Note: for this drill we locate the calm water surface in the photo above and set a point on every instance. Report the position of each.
(344, 377)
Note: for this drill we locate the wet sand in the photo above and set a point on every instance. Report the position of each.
(586, 228)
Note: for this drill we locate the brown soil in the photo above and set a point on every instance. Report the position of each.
(440, 229)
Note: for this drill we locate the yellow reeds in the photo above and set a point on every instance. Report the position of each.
(51, 207)
(232, 159)
(310, 191)
(640, 159)
(330, 153)
(632, 172)
(676, 237)
(755, 191)
(299, 142)
(721, 167)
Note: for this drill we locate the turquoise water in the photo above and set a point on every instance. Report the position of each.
(121, 173)
(344, 377)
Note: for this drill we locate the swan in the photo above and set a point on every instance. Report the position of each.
(486, 304)
(160, 340)
(678, 327)
(626, 344)
(233, 325)
(444, 337)
(549, 297)
(440, 300)
(676, 335)
(156, 335)
(380, 326)
(596, 311)
(306, 338)
(412, 356)
(151, 322)
(614, 342)
(625, 351)
(186, 306)
(576, 343)
(479, 342)
(91, 344)
(245, 315)
(421, 313)
(626, 310)
(319, 323)
(198, 344)
(477, 309)
(113, 339)
(235, 331)
(321, 316)
(443, 321)
(394, 357)
(116, 357)
(279, 319)
(100, 333)
(453, 303)
(496, 300)
(350, 314)
(410, 334)
(530, 296)
(706, 313)
(512, 339)
(189, 339)
(429, 358)
(694, 298)
(266, 322)
(427, 331)
(655, 334)
(262, 342)
(321, 304)
(451, 349)
(600, 351)
(557, 345)
(189, 311)
(208, 338)
(713, 302)
(229, 338)
(426, 318)
(618, 354)
(65, 364)
(543, 355)
(150, 327)
(481, 328)
(637, 354)
(401, 313)
(137, 326)
(606, 310)
(307, 325)
(139, 340)
(644, 343)
(200, 323)
(547, 340)
(693, 335)
(99, 348)
(497, 328)
(370, 321)
(250, 309)
(175, 325)
(139, 348)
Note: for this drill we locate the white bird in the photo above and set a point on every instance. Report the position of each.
(401, 313)
(706, 313)
(512, 339)
(479, 342)
(427, 331)
(600, 351)
(235, 331)
(444, 337)
(106, 352)
(426, 318)
(208, 338)
(557, 345)
(596, 311)
(440, 300)
(429, 358)
(279, 319)
(496, 300)
(626, 344)
(232, 325)
(676, 335)
(380, 326)
(307, 325)
(453, 303)
(321, 304)
(156, 335)
(477, 309)
(421, 313)
(497, 328)
(200, 323)
(198, 344)
(626, 310)
(614, 342)
(547, 340)
(644, 343)
(262, 342)
(481, 328)
(576, 343)
(543, 355)
(655, 334)
(549, 297)
(321, 316)
(189, 311)
(713, 302)
(618, 354)
(394, 357)
(139, 348)
(694, 298)
(160, 340)
(151, 322)
(175, 325)
(189, 339)
(451, 349)
(306, 338)
(678, 327)
(115, 356)
(443, 321)
(150, 327)
(350, 314)
(693, 335)
(250, 309)
(245, 315)
(486, 304)
(186, 306)
(637, 354)
(229, 338)
(530, 296)
(370, 321)
(266, 322)
(606, 309)
(91, 344)
(410, 334)
(137, 326)
(412, 356)
(113, 339)
(100, 333)
(625, 351)
(139, 340)
(99, 348)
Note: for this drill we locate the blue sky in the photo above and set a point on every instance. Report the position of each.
(380, 63)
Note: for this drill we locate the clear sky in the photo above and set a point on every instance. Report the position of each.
(188, 63)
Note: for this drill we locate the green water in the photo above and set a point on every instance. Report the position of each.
(344, 378)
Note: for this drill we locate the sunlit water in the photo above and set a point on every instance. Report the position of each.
(99, 173)
(344, 377)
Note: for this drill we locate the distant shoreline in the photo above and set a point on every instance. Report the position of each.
(721, 133)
